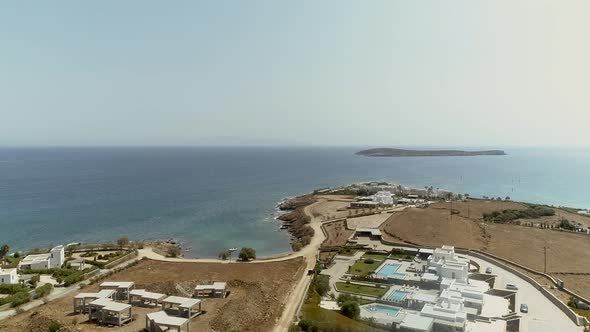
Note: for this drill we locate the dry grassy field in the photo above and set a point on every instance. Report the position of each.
(337, 233)
(525, 245)
(254, 304)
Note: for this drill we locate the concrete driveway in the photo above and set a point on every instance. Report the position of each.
(543, 315)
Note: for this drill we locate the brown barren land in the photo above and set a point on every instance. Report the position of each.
(434, 226)
(255, 303)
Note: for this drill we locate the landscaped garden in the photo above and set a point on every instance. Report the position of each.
(364, 267)
(360, 289)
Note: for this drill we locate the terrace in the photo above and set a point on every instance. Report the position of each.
(185, 306)
(105, 311)
(141, 297)
(160, 321)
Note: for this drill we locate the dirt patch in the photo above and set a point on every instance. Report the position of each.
(524, 245)
(255, 302)
(434, 227)
(337, 234)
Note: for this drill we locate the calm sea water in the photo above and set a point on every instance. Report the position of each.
(215, 198)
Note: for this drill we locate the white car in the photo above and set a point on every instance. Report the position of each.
(489, 270)
(511, 287)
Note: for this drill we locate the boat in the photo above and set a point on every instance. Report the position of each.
(233, 249)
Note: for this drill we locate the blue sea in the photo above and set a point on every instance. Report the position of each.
(212, 198)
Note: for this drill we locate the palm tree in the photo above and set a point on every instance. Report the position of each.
(4, 251)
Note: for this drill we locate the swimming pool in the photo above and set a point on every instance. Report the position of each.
(397, 296)
(389, 269)
(383, 309)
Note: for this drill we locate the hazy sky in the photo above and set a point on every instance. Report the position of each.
(387, 73)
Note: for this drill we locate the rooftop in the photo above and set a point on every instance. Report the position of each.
(147, 295)
(161, 317)
(417, 322)
(103, 293)
(215, 285)
(117, 284)
(185, 302)
(34, 258)
(7, 271)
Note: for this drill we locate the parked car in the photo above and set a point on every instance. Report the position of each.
(511, 287)
(489, 270)
(524, 308)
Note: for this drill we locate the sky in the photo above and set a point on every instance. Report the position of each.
(385, 73)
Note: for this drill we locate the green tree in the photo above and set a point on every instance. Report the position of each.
(321, 284)
(4, 251)
(350, 309)
(173, 251)
(122, 242)
(247, 254)
(224, 255)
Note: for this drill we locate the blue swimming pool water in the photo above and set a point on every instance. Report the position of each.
(397, 296)
(389, 270)
(390, 311)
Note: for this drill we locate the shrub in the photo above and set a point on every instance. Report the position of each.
(11, 289)
(19, 298)
(54, 326)
(343, 298)
(43, 290)
(350, 309)
(307, 325)
(173, 251)
(321, 284)
(369, 261)
(247, 254)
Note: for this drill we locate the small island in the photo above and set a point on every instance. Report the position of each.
(390, 152)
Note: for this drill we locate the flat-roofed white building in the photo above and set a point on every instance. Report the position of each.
(186, 307)
(415, 323)
(216, 289)
(446, 264)
(123, 288)
(383, 198)
(160, 321)
(82, 300)
(8, 276)
(144, 298)
(51, 260)
(447, 314)
(107, 311)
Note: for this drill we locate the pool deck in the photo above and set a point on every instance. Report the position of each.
(382, 317)
(405, 267)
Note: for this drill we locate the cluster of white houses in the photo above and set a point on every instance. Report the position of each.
(456, 304)
(113, 303)
(54, 259)
(459, 299)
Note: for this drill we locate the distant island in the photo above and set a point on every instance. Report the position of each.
(389, 152)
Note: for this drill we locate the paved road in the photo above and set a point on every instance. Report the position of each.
(543, 315)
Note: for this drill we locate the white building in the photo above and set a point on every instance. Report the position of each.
(584, 212)
(8, 276)
(383, 198)
(51, 260)
(446, 264)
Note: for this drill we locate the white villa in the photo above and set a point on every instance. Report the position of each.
(8, 276)
(462, 304)
(51, 260)
(383, 198)
(216, 289)
(446, 264)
